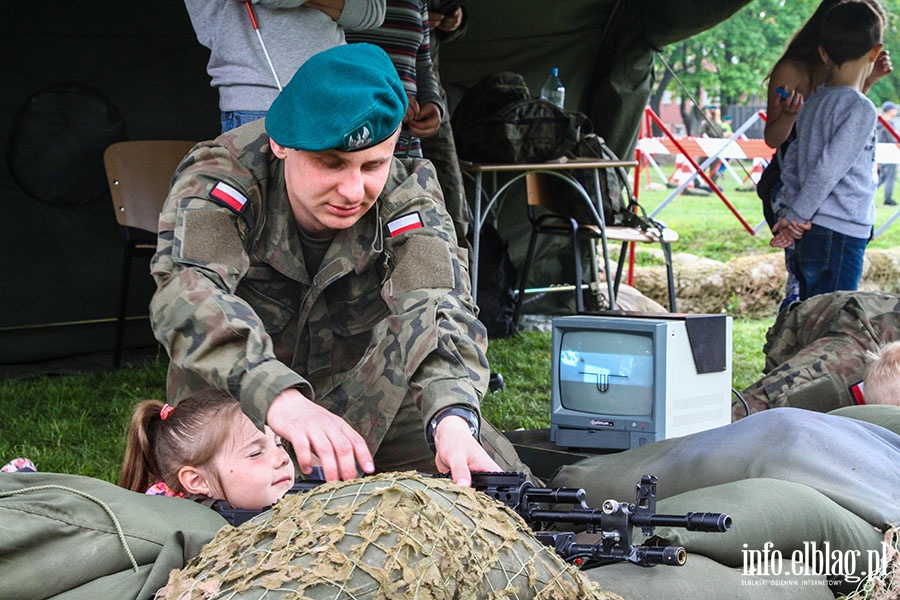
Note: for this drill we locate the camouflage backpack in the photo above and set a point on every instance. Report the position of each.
(816, 350)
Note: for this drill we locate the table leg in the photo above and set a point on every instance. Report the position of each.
(476, 238)
(603, 241)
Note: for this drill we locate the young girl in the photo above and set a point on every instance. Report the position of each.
(205, 447)
(798, 73)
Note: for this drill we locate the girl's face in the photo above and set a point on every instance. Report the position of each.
(253, 470)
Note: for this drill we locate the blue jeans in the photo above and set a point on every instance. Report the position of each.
(827, 261)
(236, 118)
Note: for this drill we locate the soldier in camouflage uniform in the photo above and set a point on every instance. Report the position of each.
(316, 278)
(816, 352)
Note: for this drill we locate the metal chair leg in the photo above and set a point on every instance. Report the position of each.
(523, 278)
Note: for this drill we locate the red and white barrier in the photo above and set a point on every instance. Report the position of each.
(759, 165)
(683, 172)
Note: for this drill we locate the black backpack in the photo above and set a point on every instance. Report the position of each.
(498, 121)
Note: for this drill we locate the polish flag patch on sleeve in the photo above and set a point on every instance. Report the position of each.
(228, 196)
(404, 224)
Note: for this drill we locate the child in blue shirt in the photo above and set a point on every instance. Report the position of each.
(830, 175)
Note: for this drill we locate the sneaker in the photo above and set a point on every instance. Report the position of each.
(19, 465)
(890, 202)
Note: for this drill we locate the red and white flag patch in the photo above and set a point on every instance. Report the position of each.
(228, 196)
(404, 224)
(857, 390)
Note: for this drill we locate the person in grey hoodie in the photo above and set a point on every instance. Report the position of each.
(249, 73)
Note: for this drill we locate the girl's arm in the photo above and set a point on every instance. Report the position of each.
(781, 113)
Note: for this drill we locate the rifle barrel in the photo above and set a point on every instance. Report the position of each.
(556, 495)
(692, 521)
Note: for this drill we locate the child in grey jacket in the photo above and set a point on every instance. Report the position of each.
(830, 174)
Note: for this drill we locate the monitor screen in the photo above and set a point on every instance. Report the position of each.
(606, 371)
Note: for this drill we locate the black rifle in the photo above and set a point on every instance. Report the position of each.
(614, 521)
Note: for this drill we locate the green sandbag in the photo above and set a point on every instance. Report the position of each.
(389, 536)
(796, 520)
(82, 538)
(702, 578)
(885, 415)
(855, 464)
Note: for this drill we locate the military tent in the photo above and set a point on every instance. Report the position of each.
(82, 75)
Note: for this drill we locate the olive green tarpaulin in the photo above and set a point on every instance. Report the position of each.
(60, 263)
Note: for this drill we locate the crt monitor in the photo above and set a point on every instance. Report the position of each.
(622, 381)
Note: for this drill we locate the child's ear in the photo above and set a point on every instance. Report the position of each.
(194, 481)
(824, 56)
(876, 52)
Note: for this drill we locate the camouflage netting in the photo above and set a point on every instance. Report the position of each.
(388, 536)
(883, 584)
(748, 285)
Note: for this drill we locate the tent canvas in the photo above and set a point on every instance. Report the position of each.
(60, 262)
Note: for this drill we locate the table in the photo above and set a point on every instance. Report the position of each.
(559, 169)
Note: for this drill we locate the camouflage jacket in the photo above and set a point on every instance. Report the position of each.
(383, 316)
(817, 349)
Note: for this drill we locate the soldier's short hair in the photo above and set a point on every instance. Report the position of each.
(882, 379)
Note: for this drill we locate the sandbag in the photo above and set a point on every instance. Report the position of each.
(883, 415)
(73, 537)
(790, 516)
(855, 464)
(702, 578)
(389, 536)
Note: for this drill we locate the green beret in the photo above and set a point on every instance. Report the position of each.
(346, 98)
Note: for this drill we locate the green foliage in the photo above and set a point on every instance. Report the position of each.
(732, 60)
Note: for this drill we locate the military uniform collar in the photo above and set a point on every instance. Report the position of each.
(354, 248)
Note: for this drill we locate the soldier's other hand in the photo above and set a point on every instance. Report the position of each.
(426, 122)
(312, 430)
(458, 452)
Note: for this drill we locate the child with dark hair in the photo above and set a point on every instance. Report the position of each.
(829, 174)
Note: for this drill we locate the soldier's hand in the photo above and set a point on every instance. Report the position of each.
(312, 430)
(458, 452)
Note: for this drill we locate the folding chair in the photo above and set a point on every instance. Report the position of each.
(139, 174)
(581, 222)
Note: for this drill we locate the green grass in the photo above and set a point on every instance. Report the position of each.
(524, 362)
(76, 423)
(708, 228)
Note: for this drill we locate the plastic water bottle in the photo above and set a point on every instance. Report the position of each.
(554, 91)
